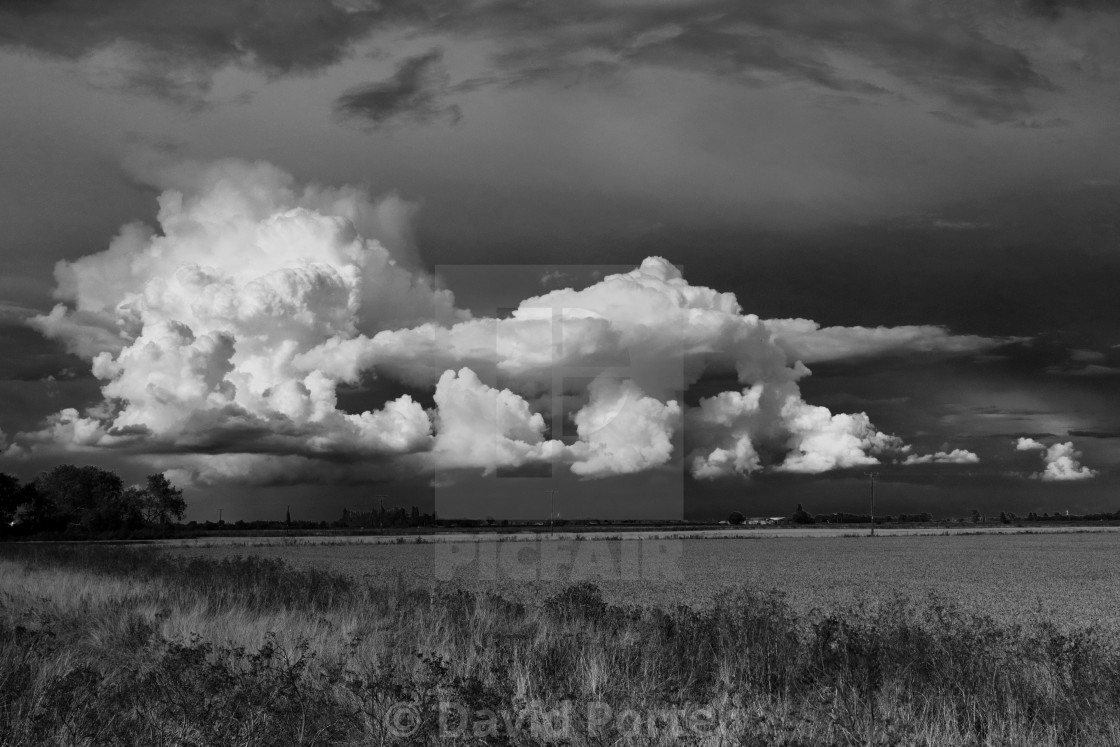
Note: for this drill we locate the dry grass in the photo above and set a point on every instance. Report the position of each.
(132, 647)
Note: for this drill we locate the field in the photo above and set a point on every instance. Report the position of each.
(1070, 579)
(368, 645)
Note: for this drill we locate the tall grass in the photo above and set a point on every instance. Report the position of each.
(127, 646)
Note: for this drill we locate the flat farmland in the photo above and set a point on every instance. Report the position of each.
(1071, 579)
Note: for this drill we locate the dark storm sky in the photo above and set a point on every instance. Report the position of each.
(866, 163)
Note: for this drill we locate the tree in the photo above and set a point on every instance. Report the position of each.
(132, 504)
(801, 516)
(736, 518)
(9, 498)
(36, 513)
(89, 496)
(163, 500)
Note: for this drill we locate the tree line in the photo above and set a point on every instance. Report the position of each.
(395, 516)
(68, 498)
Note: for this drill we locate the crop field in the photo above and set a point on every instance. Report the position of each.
(1072, 580)
(344, 645)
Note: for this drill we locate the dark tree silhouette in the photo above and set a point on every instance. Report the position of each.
(10, 498)
(88, 496)
(88, 499)
(801, 516)
(164, 500)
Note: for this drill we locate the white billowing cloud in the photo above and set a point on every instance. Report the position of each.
(521, 350)
(956, 456)
(662, 332)
(821, 441)
(622, 431)
(243, 249)
(650, 321)
(1062, 462)
(484, 427)
(194, 327)
(810, 438)
(808, 342)
(669, 329)
(68, 429)
(729, 421)
(222, 335)
(739, 459)
(83, 333)
(167, 374)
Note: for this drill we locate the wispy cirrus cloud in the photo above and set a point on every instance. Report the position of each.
(870, 48)
(173, 51)
(875, 48)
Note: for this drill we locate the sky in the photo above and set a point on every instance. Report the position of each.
(668, 260)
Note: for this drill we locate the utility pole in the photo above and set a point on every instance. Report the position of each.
(219, 516)
(380, 509)
(552, 508)
(872, 504)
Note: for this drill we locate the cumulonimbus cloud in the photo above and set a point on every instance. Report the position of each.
(226, 332)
